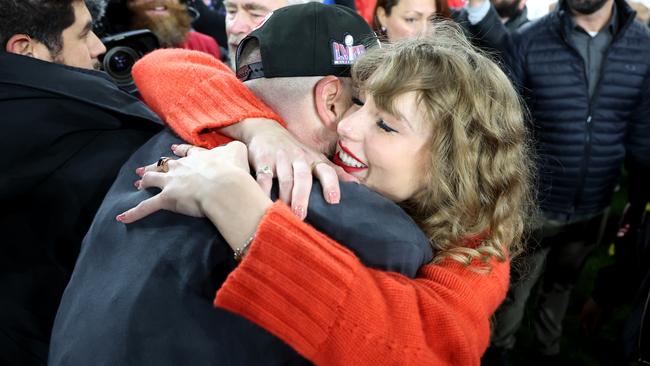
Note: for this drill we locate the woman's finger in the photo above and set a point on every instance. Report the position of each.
(183, 150)
(153, 179)
(302, 181)
(326, 174)
(149, 168)
(285, 176)
(162, 166)
(142, 210)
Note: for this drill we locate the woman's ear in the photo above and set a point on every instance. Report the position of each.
(20, 44)
(381, 16)
(332, 100)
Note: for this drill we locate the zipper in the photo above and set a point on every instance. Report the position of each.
(588, 120)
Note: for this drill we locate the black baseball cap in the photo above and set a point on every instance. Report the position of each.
(310, 39)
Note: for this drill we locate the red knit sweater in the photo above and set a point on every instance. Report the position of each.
(305, 288)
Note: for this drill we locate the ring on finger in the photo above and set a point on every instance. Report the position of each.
(162, 166)
(264, 170)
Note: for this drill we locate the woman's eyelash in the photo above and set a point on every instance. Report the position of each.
(357, 101)
(381, 124)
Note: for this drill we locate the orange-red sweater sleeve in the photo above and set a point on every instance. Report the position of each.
(318, 297)
(196, 94)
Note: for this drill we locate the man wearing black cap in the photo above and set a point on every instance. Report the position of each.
(142, 293)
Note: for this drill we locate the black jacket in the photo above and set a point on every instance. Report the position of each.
(66, 132)
(580, 142)
(518, 20)
(141, 294)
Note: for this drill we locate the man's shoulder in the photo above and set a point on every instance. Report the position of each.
(639, 32)
(164, 229)
(544, 25)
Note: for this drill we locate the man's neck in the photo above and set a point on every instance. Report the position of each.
(596, 21)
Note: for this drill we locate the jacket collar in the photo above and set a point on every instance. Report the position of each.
(89, 86)
(518, 20)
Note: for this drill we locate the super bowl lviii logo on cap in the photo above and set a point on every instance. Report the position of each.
(346, 53)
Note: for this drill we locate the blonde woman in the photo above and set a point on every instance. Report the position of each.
(449, 146)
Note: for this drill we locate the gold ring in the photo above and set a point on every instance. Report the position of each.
(162, 166)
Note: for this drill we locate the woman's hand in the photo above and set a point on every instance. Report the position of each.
(212, 183)
(190, 182)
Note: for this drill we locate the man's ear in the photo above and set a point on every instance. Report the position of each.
(20, 44)
(331, 101)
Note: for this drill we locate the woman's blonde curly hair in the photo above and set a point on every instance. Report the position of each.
(478, 195)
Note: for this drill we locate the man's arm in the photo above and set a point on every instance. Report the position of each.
(376, 229)
(316, 296)
(204, 103)
(196, 95)
(637, 160)
(487, 27)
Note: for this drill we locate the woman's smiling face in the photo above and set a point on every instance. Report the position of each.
(385, 151)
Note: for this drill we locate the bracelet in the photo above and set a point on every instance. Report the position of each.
(241, 251)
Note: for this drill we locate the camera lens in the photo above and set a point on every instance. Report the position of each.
(119, 61)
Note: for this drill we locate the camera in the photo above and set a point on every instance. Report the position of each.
(123, 50)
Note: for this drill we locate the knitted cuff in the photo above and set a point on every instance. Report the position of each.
(292, 281)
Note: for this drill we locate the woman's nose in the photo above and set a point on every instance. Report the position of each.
(346, 127)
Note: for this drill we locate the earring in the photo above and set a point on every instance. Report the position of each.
(383, 29)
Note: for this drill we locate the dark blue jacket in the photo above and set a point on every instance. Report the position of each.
(580, 142)
(141, 294)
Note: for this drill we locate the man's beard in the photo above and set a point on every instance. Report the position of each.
(507, 9)
(586, 7)
(170, 29)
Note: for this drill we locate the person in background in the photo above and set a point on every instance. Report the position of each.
(211, 21)
(242, 16)
(570, 66)
(626, 281)
(642, 8)
(513, 13)
(169, 20)
(399, 19)
(68, 130)
(366, 9)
